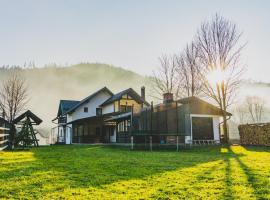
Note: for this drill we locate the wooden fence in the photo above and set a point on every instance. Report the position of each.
(3, 138)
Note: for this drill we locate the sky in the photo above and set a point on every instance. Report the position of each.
(125, 33)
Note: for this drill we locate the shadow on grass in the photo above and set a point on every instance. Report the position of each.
(261, 189)
(57, 168)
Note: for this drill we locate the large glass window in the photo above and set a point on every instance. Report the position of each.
(85, 129)
(75, 131)
(80, 130)
(98, 132)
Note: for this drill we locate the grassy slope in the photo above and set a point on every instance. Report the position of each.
(103, 172)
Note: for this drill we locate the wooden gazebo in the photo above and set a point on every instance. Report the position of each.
(26, 137)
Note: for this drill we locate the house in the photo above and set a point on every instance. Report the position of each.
(104, 117)
(85, 121)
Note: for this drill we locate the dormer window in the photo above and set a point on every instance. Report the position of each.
(85, 109)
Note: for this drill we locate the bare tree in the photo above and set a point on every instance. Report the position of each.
(188, 68)
(219, 51)
(165, 77)
(241, 113)
(13, 96)
(256, 107)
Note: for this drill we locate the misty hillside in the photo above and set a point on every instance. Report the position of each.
(50, 84)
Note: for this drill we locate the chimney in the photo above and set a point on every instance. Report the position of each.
(167, 98)
(143, 92)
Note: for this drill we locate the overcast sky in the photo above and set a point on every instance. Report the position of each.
(130, 34)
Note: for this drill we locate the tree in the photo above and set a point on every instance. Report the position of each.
(256, 107)
(13, 99)
(165, 78)
(240, 114)
(13, 96)
(188, 68)
(219, 52)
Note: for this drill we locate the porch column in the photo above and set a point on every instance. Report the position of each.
(132, 144)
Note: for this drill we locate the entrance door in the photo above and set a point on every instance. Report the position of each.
(202, 128)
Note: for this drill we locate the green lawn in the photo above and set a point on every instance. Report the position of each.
(104, 172)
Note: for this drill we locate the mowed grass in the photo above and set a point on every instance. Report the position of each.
(105, 172)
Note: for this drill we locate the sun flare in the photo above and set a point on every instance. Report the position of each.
(216, 76)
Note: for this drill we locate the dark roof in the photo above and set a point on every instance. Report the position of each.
(197, 100)
(129, 92)
(66, 105)
(104, 89)
(29, 114)
(4, 120)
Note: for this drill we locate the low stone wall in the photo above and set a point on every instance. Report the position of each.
(255, 134)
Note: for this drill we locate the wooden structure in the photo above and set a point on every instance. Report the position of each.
(26, 136)
(185, 121)
(4, 133)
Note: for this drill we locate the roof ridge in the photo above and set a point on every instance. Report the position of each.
(89, 97)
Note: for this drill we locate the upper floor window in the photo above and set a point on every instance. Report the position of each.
(98, 111)
(125, 108)
(85, 109)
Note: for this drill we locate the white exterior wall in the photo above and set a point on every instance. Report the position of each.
(216, 121)
(108, 108)
(69, 118)
(68, 134)
(92, 105)
(113, 138)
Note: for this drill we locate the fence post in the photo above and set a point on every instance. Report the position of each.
(177, 148)
(151, 148)
(132, 144)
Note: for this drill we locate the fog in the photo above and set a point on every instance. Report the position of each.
(48, 85)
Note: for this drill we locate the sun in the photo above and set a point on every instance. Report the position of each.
(216, 76)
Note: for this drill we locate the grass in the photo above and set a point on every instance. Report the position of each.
(105, 172)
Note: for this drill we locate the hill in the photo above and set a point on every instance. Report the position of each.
(50, 84)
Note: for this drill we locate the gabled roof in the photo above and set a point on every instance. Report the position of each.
(104, 89)
(66, 105)
(129, 92)
(4, 120)
(196, 100)
(29, 114)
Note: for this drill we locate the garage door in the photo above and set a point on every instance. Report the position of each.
(202, 128)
